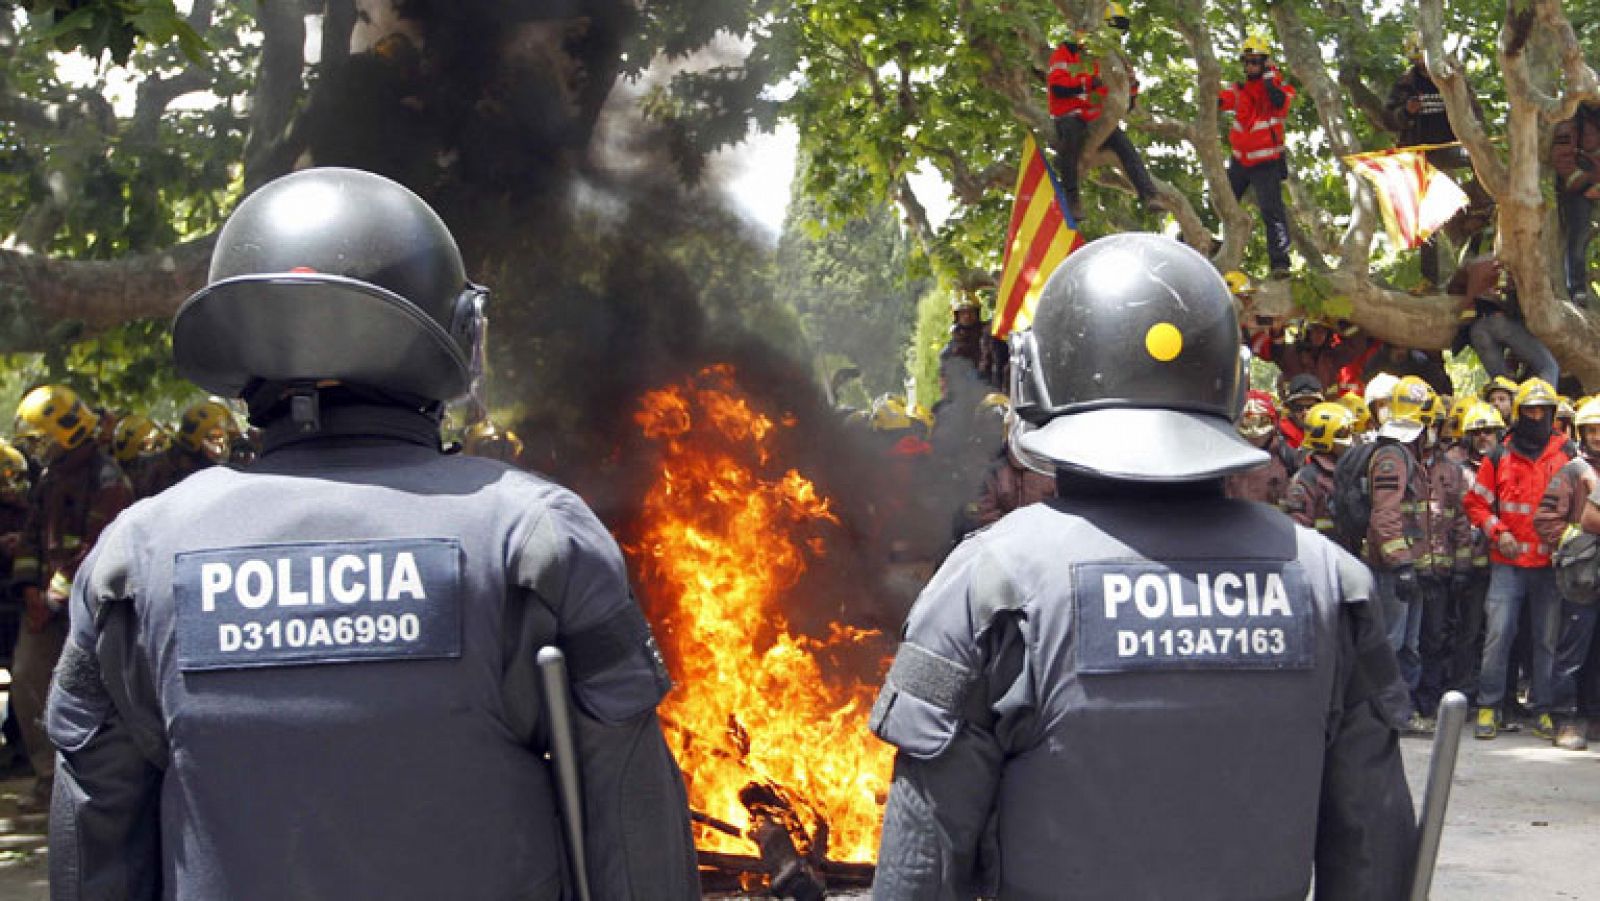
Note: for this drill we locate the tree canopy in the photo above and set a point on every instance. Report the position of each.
(506, 118)
(882, 91)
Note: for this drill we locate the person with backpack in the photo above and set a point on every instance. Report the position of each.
(1557, 523)
(1445, 565)
(1396, 540)
(1509, 486)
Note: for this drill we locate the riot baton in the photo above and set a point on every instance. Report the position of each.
(564, 753)
(1441, 769)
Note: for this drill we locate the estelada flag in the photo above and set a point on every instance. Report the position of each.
(1040, 237)
(1416, 199)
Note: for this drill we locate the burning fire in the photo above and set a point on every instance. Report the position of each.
(725, 534)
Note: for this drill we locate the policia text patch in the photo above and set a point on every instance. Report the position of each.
(282, 604)
(1215, 614)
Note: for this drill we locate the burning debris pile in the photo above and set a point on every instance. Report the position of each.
(768, 724)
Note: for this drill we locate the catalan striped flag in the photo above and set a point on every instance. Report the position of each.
(1415, 198)
(1040, 237)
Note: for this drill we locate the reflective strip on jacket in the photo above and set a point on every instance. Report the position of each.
(1505, 493)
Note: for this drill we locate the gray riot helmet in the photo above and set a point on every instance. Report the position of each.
(333, 275)
(1132, 368)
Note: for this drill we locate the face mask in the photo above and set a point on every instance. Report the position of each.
(1531, 435)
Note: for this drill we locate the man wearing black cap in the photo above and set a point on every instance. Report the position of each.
(1301, 394)
(1142, 688)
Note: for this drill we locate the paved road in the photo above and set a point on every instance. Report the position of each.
(1524, 824)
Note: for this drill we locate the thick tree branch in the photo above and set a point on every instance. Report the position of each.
(270, 148)
(1572, 336)
(156, 93)
(1447, 74)
(101, 294)
(916, 215)
(1208, 145)
(1303, 53)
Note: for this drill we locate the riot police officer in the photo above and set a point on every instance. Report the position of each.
(316, 678)
(1142, 689)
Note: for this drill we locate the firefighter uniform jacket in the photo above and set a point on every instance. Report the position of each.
(1563, 502)
(316, 679)
(76, 497)
(1506, 492)
(1448, 533)
(1267, 484)
(1144, 692)
(1311, 495)
(1257, 132)
(1006, 487)
(1075, 86)
(1396, 536)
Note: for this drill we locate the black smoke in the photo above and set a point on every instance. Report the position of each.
(612, 272)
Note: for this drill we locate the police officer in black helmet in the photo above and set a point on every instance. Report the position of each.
(1142, 689)
(316, 679)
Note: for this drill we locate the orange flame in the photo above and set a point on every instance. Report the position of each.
(723, 536)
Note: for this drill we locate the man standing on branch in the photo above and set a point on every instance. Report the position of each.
(1575, 156)
(1415, 112)
(1260, 104)
(1077, 100)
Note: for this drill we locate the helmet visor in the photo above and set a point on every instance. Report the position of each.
(1144, 445)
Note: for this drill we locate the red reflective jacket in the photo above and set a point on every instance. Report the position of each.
(1506, 495)
(1075, 88)
(1257, 133)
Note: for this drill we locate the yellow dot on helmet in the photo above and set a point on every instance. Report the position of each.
(1164, 341)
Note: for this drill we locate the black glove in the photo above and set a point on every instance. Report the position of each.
(1275, 95)
(1460, 584)
(1407, 589)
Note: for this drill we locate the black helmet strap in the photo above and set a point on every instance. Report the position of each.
(305, 409)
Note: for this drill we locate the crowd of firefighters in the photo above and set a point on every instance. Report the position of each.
(67, 473)
(1457, 504)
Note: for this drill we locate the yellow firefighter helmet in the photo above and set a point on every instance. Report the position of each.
(1534, 393)
(1480, 416)
(135, 434)
(1329, 425)
(56, 412)
(1410, 400)
(206, 426)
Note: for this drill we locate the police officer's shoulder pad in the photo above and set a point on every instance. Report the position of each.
(570, 562)
(110, 574)
(920, 708)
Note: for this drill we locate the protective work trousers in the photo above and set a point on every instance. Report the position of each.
(31, 668)
(1428, 636)
(1493, 335)
(1466, 634)
(1577, 228)
(1071, 133)
(1510, 587)
(1572, 652)
(1266, 180)
(1397, 624)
